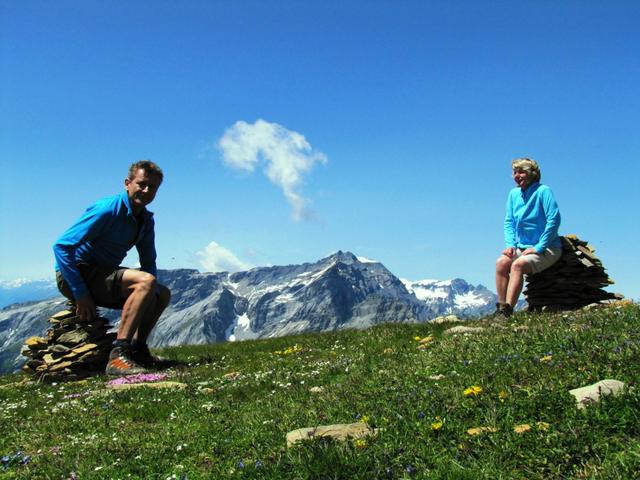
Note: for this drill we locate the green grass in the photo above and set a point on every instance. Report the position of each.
(235, 426)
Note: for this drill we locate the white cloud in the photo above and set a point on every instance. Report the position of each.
(286, 155)
(216, 258)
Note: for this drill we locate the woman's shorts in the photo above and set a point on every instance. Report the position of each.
(540, 261)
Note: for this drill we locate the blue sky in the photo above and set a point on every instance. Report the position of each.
(385, 128)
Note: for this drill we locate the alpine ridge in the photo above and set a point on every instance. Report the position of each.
(336, 292)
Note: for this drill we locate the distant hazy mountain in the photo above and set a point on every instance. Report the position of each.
(340, 291)
(18, 291)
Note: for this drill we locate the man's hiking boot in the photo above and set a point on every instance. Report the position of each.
(503, 310)
(142, 356)
(122, 363)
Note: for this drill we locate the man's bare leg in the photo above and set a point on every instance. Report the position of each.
(161, 300)
(139, 289)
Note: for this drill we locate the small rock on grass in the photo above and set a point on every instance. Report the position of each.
(445, 319)
(340, 431)
(129, 386)
(463, 329)
(592, 393)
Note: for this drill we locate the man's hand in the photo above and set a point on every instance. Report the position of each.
(529, 251)
(86, 309)
(509, 252)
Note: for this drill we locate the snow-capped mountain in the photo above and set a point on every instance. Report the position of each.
(453, 296)
(339, 291)
(17, 291)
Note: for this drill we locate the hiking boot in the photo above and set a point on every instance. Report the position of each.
(503, 310)
(122, 363)
(143, 356)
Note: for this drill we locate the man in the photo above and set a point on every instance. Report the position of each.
(530, 234)
(88, 270)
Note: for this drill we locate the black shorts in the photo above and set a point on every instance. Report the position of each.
(104, 284)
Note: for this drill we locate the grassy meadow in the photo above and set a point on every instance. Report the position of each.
(492, 404)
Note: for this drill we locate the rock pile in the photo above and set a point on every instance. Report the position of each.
(73, 348)
(574, 281)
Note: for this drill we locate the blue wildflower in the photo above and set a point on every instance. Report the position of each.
(5, 462)
(258, 464)
(240, 464)
(410, 469)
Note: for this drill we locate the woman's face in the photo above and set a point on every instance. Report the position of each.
(522, 178)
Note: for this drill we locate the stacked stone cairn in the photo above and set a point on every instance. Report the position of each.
(73, 349)
(573, 282)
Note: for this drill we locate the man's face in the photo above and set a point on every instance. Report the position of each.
(142, 189)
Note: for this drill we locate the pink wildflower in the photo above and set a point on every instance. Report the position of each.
(139, 378)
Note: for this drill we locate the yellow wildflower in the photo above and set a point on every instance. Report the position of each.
(542, 425)
(360, 443)
(426, 339)
(473, 391)
(479, 430)
(502, 395)
(437, 425)
(417, 338)
(522, 428)
(545, 359)
(364, 418)
(288, 350)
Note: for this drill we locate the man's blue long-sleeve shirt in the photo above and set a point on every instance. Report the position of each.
(103, 235)
(532, 218)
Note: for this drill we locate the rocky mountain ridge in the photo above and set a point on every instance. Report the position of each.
(339, 291)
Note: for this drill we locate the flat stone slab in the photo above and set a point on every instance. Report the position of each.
(130, 386)
(445, 319)
(340, 431)
(63, 314)
(462, 329)
(73, 338)
(592, 393)
(36, 343)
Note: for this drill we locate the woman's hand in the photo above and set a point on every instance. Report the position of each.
(509, 252)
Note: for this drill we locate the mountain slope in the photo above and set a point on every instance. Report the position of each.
(336, 292)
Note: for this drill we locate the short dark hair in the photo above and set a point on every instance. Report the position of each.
(148, 166)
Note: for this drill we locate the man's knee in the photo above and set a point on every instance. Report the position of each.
(135, 280)
(147, 281)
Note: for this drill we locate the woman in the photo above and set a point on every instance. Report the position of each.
(530, 234)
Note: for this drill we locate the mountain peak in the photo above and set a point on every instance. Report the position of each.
(340, 256)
